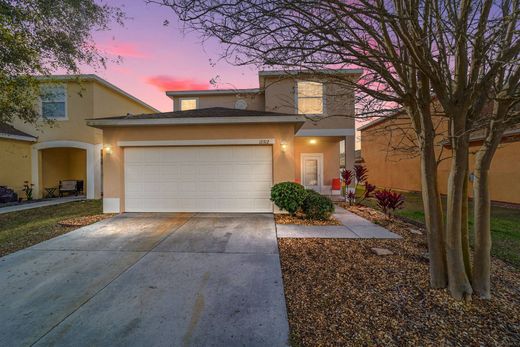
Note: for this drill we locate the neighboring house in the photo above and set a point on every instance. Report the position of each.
(45, 153)
(391, 156)
(222, 150)
(15, 157)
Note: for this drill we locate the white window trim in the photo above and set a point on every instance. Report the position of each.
(40, 104)
(196, 103)
(323, 97)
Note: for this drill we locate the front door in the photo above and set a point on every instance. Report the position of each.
(312, 171)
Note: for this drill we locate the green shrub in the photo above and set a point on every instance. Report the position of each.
(288, 196)
(317, 206)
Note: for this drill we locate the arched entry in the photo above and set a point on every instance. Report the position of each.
(92, 164)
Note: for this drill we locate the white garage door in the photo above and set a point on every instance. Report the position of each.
(198, 179)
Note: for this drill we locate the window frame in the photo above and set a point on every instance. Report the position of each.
(196, 103)
(54, 85)
(323, 98)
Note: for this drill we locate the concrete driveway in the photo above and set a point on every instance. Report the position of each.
(148, 279)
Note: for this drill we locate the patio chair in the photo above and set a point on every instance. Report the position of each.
(335, 187)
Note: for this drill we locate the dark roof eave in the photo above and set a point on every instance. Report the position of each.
(101, 123)
(211, 112)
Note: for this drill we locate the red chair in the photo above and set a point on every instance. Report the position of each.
(335, 186)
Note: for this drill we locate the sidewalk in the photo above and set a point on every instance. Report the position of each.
(43, 203)
(354, 227)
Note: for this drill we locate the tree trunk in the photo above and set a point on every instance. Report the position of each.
(482, 215)
(465, 228)
(433, 217)
(482, 210)
(458, 281)
(432, 204)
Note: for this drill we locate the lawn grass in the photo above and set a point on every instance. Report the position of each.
(25, 228)
(505, 226)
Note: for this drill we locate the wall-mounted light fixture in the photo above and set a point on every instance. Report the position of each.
(283, 146)
(107, 149)
(313, 141)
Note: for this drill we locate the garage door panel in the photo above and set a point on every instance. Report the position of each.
(169, 172)
(205, 179)
(260, 171)
(215, 154)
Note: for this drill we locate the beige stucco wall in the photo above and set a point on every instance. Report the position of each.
(279, 96)
(15, 164)
(113, 177)
(329, 147)
(505, 173)
(254, 101)
(62, 164)
(504, 177)
(399, 170)
(88, 99)
(387, 167)
(80, 101)
(339, 106)
(107, 103)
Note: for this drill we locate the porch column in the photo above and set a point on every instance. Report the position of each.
(350, 152)
(91, 169)
(36, 169)
(98, 184)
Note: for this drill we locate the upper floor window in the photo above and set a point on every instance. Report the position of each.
(188, 104)
(53, 101)
(310, 97)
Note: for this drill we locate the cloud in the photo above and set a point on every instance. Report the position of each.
(164, 82)
(122, 49)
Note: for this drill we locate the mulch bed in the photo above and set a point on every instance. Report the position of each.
(83, 221)
(339, 293)
(301, 220)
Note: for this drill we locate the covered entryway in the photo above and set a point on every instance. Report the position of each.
(53, 161)
(61, 164)
(198, 179)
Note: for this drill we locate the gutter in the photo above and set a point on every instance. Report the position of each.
(213, 92)
(317, 72)
(18, 137)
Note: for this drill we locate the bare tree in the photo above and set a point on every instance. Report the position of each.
(504, 114)
(413, 52)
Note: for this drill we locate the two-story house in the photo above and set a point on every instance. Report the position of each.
(65, 148)
(222, 150)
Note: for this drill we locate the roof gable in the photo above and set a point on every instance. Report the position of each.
(95, 78)
(9, 132)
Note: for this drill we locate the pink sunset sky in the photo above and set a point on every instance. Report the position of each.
(156, 58)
